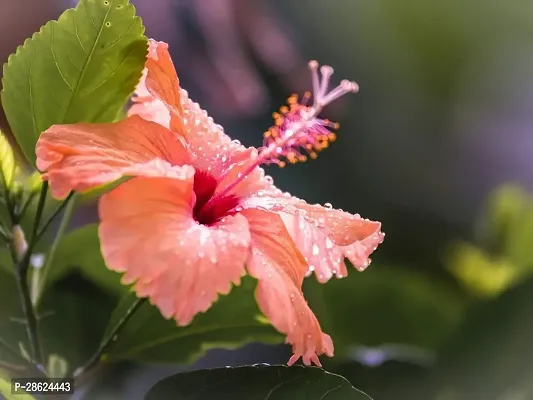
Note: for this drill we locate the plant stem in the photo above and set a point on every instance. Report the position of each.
(26, 205)
(69, 202)
(23, 286)
(20, 357)
(104, 345)
(55, 214)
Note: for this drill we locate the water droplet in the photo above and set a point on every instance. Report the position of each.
(269, 179)
(329, 206)
(224, 158)
(316, 250)
(236, 142)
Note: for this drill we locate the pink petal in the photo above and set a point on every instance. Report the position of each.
(147, 106)
(323, 256)
(148, 233)
(324, 236)
(211, 149)
(83, 156)
(280, 268)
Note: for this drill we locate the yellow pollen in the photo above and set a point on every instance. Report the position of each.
(293, 99)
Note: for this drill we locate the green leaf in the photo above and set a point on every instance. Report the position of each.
(481, 273)
(257, 382)
(386, 304)
(73, 316)
(80, 250)
(5, 390)
(7, 163)
(231, 322)
(491, 356)
(81, 68)
(12, 331)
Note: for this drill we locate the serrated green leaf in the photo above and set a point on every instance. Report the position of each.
(80, 250)
(81, 68)
(232, 321)
(256, 382)
(386, 304)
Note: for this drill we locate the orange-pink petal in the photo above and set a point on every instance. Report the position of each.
(147, 106)
(280, 268)
(148, 233)
(83, 156)
(325, 236)
(211, 149)
(324, 257)
(162, 82)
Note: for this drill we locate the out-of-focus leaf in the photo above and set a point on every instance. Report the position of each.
(12, 330)
(386, 305)
(392, 380)
(504, 208)
(507, 230)
(491, 355)
(257, 382)
(231, 322)
(482, 274)
(57, 366)
(81, 68)
(5, 390)
(80, 250)
(7, 163)
(73, 316)
(34, 182)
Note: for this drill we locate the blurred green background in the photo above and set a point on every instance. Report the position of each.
(438, 145)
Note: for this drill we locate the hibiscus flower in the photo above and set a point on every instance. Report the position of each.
(199, 213)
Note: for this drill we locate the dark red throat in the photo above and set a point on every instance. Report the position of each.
(209, 212)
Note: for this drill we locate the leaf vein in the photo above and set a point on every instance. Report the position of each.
(87, 62)
(106, 79)
(120, 38)
(55, 59)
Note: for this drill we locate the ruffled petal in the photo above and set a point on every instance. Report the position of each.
(148, 233)
(147, 106)
(324, 257)
(162, 83)
(280, 268)
(83, 156)
(325, 236)
(212, 150)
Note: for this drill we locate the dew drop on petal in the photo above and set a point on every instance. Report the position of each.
(329, 206)
(316, 250)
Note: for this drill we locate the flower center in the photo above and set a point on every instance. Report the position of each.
(297, 129)
(209, 210)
